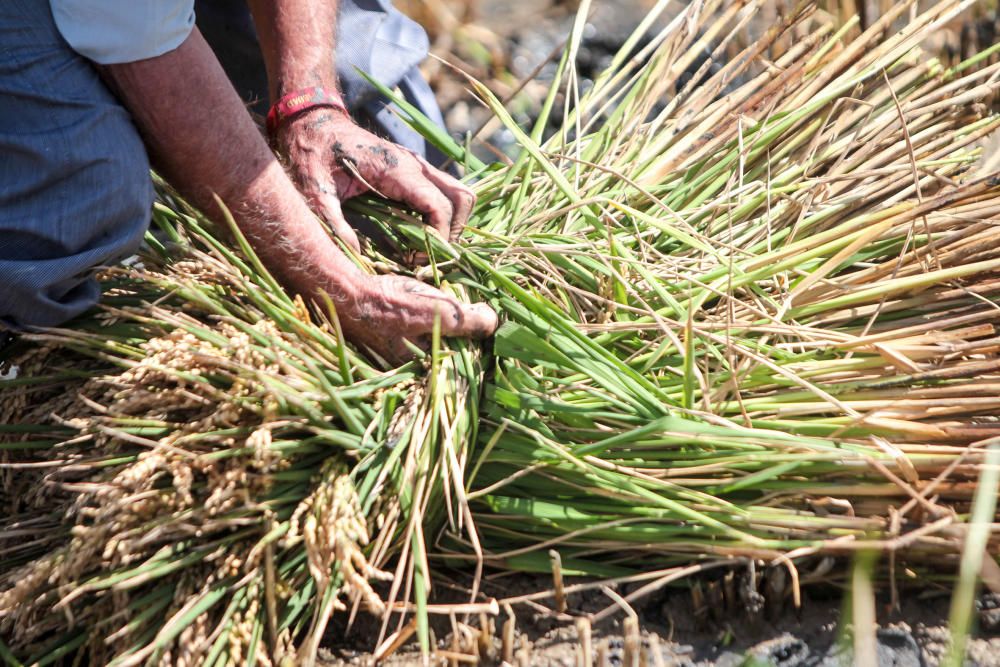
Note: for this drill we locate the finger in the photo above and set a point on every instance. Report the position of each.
(476, 320)
(462, 198)
(424, 195)
(423, 304)
(328, 207)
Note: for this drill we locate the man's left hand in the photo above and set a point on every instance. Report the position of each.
(332, 159)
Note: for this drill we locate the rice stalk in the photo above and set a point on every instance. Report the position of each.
(797, 304)
(209, 464)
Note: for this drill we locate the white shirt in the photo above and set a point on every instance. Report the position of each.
(120, 31)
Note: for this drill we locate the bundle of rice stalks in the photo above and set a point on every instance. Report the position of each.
(204, 490)
(724, 319)
(744, 320)
(206, 475)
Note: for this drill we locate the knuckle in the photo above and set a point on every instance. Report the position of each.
(465, 202)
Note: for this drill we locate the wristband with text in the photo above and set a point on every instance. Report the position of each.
(301, 100)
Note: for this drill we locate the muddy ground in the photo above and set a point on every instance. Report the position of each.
(688, 629)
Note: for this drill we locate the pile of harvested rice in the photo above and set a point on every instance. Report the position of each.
(758, 326)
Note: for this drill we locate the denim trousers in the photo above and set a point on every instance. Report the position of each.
(75, 191)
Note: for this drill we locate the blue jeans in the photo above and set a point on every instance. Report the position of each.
(75, 191)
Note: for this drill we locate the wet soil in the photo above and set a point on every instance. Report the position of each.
(690, 626)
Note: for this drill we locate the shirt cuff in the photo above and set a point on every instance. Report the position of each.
(120, 31)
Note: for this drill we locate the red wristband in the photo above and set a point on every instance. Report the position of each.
(298, 101)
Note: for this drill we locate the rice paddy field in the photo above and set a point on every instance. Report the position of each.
(749, 292)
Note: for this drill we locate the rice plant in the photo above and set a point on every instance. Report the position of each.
(747, 317)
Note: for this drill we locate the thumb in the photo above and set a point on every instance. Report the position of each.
(327, 207)
(475, 320)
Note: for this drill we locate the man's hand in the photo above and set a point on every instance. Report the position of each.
(385, 311)
(220, 152)
(332, 159)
